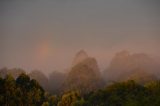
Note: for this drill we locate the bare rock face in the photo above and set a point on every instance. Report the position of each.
(80, 56)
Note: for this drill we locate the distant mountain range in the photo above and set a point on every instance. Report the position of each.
(86, 76)
(125, 65)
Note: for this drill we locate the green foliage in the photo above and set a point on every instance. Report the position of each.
(126, 94)
(69, 99)
(20, 92)
(45, 104)
(80, 102)
(51, 99)
(26, 92)
(9, 88)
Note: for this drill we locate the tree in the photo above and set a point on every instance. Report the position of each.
(154, 92)
(30, 91)
(2, 90)
(45, 104)
(10, 91)
(69, 99)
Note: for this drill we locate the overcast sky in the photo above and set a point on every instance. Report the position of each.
(46, 34)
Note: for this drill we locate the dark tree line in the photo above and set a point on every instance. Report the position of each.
(24, 91)
(126, 93)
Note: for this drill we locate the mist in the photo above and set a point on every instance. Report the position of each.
(46, 35)
(79, 52)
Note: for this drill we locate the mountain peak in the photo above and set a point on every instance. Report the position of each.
(82, 52)
(123, 53)
(80, 56)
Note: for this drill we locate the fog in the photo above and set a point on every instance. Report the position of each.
(47, 35)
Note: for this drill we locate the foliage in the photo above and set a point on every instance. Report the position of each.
(126, 94)
(26, 92)
(69, 99)
(21, 92)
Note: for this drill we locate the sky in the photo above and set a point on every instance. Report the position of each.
(46, 34)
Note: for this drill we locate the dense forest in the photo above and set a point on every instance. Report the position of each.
(24, 91)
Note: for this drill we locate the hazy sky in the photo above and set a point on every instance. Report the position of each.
(46, 34)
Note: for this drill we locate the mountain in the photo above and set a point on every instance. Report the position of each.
(80, 56)
(56, 80)
(124, 62)
(85, 75)
(41, 78)
(3, 72)
(15, 72)
(139, 76)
